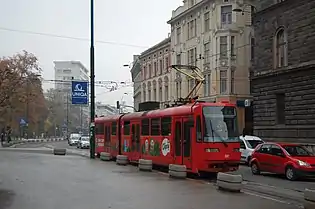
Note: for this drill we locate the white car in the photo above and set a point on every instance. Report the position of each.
(74, 139)
(248, 144)
(84, 142)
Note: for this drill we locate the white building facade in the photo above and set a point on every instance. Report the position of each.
(155, 73)
(66, 71)
(136, 79)
(209, 35)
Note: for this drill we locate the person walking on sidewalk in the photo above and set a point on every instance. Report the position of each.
(2, 135)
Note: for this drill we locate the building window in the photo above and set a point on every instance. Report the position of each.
(178, 35)
(150, 71)
(161, 66)
(192, 29)
(192, 55)
(149, 91)
(232, 49)
(166, 88)
(207, 21)
(280, 48)
(144, 93)
(232, 82)
(160, 90)
(166, 64)
(154, 91)
(223, 82)
(155, 68)
(280, 111)
(207, 85)
(207, 53)
(191, 3)
(178, 59)
(223, 46)
(226, 14)
(178, 89)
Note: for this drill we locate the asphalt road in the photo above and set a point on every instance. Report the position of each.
(266, 179)
(37, 181)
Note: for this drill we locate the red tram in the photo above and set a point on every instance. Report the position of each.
(202, 136)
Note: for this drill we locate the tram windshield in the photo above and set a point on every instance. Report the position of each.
(220, 124)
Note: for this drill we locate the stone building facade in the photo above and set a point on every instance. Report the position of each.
(283, 71)
(156, 84)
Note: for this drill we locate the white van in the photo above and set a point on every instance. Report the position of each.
(74, 139)
(248, 144)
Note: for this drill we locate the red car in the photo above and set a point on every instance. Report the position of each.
(293, 160)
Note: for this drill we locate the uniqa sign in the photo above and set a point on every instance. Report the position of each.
(79, 94)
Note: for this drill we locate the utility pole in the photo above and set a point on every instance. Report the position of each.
(67, 114)
(92, 81)
(27, 104)
(81, 119)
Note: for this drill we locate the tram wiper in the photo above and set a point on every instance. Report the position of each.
(212, 133)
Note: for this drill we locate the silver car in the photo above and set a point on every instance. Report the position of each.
(84, 142)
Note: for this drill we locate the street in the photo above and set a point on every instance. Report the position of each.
(36, 181)
(265, 179)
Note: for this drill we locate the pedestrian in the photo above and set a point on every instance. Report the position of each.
(9, 130)
(2, 135)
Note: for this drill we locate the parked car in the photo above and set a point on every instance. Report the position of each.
(248, 145)
(84, 142)
(74, 139)
(292, 160)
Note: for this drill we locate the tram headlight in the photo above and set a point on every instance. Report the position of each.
(212, 150)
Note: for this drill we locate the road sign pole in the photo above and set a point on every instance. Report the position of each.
(92, 86)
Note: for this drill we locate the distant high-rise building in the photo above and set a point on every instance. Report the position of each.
(67, 71)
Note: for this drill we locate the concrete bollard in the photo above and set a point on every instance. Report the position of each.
(145, 165)
(105, 156)
(122, 160)
(309, 199)
(59, 151)
(229, 182)
(177, 171)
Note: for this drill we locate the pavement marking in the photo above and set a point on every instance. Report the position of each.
(272, 199)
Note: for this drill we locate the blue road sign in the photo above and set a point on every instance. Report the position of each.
(80, 92)
(22, 122)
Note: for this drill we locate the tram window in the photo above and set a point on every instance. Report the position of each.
(126, 127)
(114, 128)
(99, 128)
(145, 131)
(166, 124)
(198, 129)
(155, 126)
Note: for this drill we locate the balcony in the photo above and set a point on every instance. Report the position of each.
(223, 27)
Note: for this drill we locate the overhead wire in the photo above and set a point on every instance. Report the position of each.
(69, 37)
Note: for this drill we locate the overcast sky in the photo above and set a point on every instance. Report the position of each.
(131, 22)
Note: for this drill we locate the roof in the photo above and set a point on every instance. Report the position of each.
(109, 118)
(155, 47)
(172, 111)
(187, 11)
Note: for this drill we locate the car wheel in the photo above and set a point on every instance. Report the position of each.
(255, 169)
(290, 173)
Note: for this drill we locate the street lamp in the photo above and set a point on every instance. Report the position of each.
(243, 11)
(92, 81)
(126, 65)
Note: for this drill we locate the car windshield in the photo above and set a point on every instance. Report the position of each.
(220, 124)
(253, 143)
(296, 150)
(85, 139)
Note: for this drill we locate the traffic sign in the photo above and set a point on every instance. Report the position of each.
(22, 122)
(80, 92)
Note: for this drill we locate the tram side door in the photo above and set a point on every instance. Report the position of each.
(182, 141)
(135, 141)
(186, 142)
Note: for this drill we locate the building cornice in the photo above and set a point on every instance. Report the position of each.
(187, 11)
(163, 44)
